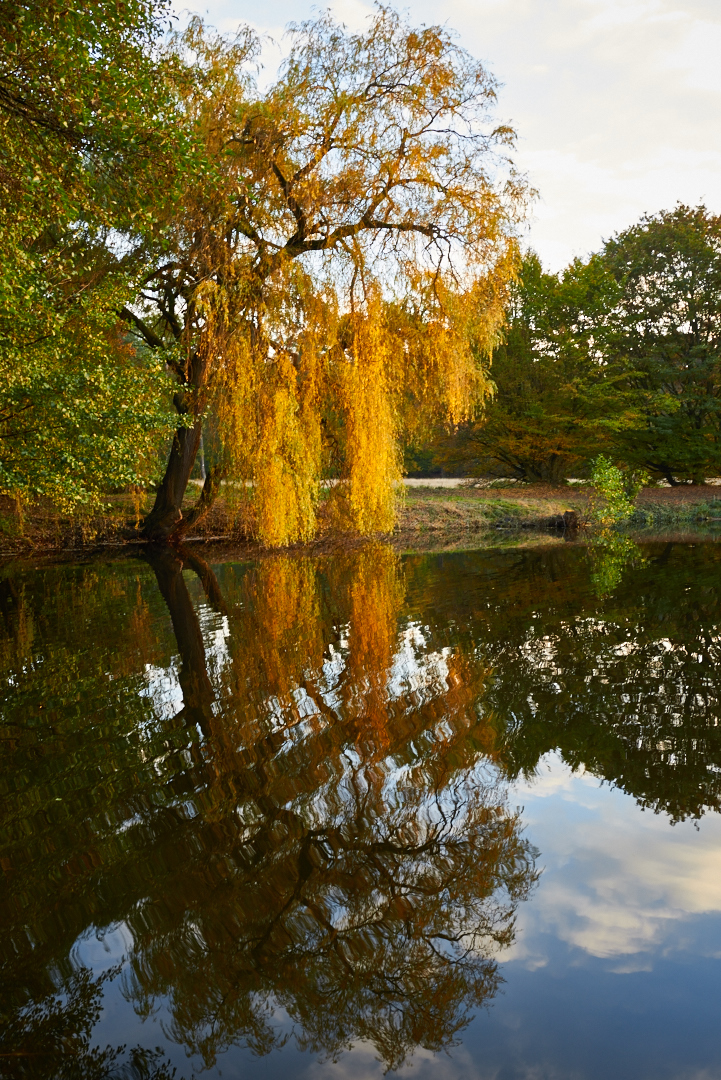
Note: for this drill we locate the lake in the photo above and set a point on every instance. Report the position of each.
(455, 815)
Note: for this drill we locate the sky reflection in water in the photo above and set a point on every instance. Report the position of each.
(286, 794)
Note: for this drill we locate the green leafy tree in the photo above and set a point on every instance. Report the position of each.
(666, 327)
(616, 491)
(86, 133)
(558, 398)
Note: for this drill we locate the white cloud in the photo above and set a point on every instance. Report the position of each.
(618, 883)
(101, 948)
(699, 55)
(363, 1064)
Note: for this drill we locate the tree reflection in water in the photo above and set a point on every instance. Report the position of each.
(318, 828)
(611, 554)
(357, 888)
(289, 783)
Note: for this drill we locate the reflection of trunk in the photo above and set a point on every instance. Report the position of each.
(195, 684)
(208, 580)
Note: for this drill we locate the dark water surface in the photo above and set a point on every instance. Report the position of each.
(325, 817)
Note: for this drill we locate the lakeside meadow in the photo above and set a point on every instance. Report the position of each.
(299, 291)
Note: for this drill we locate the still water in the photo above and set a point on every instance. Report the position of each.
(331, 816)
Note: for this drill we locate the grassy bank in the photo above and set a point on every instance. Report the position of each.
(425, 515)
(469, 508)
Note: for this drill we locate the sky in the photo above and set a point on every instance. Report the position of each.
(616, 103)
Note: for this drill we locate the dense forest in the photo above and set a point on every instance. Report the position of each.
(321, 280)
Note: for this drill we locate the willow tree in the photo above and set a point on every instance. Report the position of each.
(339, 268)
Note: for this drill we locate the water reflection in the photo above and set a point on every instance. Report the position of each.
(287, 780)
(315, 829)
(611, 553)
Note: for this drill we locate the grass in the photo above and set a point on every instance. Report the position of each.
(478, 509)
(677, 506)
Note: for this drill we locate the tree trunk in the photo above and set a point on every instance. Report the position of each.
(166, 516)
(208, 495)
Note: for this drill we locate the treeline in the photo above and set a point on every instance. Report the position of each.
(617, 355)
(314, 277)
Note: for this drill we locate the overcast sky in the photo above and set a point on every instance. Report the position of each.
(617, 103)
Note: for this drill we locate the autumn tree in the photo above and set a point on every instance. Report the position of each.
(369, 174)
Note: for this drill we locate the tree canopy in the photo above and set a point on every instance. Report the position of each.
(618, 354)
(559, 397)
(666, 326)
(86, 133)
(355, 246)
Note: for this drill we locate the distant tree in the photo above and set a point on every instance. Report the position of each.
(558, 398)
(367, 173)
(666, 327)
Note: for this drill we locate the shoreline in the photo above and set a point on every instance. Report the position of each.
(220, 550)
(452, 516)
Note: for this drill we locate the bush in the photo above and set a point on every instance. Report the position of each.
(616, 492)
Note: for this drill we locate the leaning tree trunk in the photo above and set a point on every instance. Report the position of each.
(166, 516)
(166, 521)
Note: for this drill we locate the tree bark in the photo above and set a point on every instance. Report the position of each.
(208, 495)
(166, 522)
(166, 516)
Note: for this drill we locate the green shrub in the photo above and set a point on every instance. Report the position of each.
(616, 492)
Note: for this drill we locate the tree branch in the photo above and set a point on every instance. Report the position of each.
(149, 335)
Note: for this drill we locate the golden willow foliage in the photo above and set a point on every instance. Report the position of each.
(339, 274)
(278, 622)
(358, 384)
(376, 599)
(371, 452)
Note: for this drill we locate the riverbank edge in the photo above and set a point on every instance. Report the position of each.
(428, 519)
